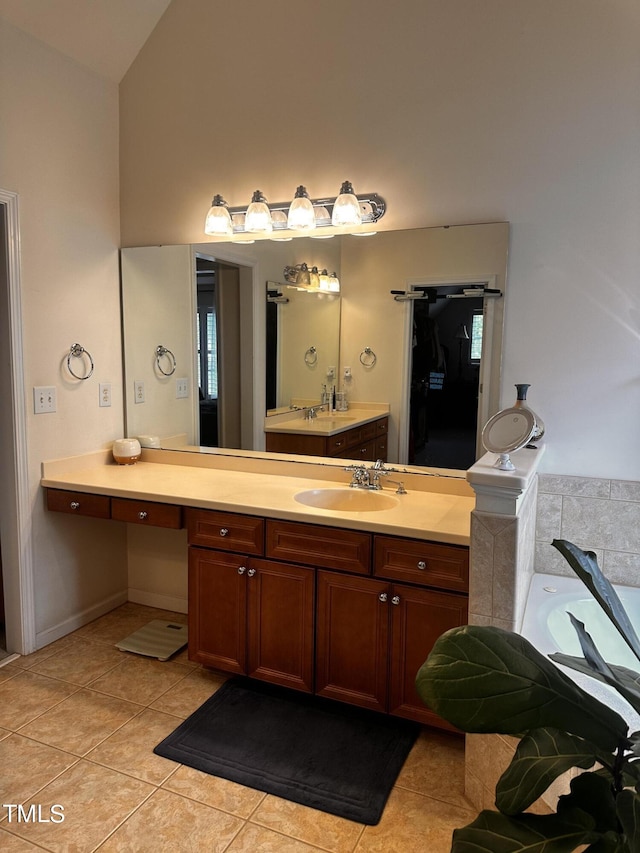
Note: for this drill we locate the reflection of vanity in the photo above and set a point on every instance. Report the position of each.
(345, 604)
(359, 433)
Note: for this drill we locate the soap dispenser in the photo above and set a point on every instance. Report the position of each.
(521, 403)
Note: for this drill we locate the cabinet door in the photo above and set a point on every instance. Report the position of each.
(281, 623)
(419, 616)
(218, 609)
(352, 639)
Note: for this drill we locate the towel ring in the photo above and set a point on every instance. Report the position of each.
(78, 351)
(368, 357)
(162, 351)
(311, 356)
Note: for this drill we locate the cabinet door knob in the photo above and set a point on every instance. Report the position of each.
(383, 596)
(142, 515)
(74, 505)
(422, 565)
(242, 570)
(251, 572)
(395, 599)
(224, 531)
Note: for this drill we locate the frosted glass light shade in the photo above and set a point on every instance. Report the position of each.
(218, 221)
(258, 216)
(302, 216)
(346, 208)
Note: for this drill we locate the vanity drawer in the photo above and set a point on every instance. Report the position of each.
(425, 563)
(364, 452)
(146, 512)
(78, 503)
(325, 547)
(225, 531)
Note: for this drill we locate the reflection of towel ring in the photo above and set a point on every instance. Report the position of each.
(311, 356)
(77, 352)
(160, 352)
(368, 357)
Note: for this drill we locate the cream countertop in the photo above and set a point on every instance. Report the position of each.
(326, 423)
(438, 509)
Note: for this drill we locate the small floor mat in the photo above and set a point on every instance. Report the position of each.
(158, 639)
(314, 751)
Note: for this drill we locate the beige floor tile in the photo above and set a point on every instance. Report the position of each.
(95, 800)
(4, 733)
(28, 695)
(140, 680)
(81, 722)
(252, 838)
(80, 663)
(316, 828)
(118, 624)
(187, 696)
(167, 822)
(435, 767)
(12, 844)
(28, 766)
(214, 791)
(412, 823)
(130, 749)
(27, 661)
(9, 670)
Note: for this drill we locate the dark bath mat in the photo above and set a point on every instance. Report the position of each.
(314, 751)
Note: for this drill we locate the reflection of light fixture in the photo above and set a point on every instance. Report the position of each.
(302, 216)
(258, 216)
(218, 220)
(312, 279)
(347, 211)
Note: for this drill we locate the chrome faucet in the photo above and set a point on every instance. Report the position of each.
(312, 412)
(369, 478)
(359, 477)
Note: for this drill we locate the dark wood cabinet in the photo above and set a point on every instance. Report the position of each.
(367, 442)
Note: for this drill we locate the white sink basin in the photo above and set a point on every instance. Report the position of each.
(346, 500)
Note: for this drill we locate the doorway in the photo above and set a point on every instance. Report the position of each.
(451, 364)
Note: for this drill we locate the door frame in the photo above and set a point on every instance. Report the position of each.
(15, 520)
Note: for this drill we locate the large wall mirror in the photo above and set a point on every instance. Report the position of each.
(215, 338)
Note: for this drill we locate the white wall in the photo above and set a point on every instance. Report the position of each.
(455, 112)
(59, 152)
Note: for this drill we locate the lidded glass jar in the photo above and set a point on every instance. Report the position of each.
(521, 403)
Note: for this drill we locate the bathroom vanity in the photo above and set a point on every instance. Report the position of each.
(342, 603)
(354, 434)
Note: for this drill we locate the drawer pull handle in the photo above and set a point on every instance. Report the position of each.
(382, 597)
(142, 515)
(395, 600)
(224, 531)
(242, 570)
(422, 565)
(74, 505)
(251, 573)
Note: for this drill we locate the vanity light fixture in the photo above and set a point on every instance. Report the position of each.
(299, 217)
(311, 279)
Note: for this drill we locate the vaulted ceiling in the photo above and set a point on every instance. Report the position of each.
(103, 35)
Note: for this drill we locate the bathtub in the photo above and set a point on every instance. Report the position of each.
(547, 626)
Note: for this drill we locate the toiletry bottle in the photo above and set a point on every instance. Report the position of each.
(521, 403)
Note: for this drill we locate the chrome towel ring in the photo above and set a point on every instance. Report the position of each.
(311, 356)
(368, 357)
(161, 352)
(78, 351)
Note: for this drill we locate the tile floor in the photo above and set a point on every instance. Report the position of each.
(78, 723)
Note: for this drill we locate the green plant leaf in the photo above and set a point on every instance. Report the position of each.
(628, 808)
(542, 755)
(493, 832)
(610, 843)
(485, 679)
(593, 795)
(629, 677)
(584, 564)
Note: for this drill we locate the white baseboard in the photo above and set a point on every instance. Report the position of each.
(43, 638)
(156, 599)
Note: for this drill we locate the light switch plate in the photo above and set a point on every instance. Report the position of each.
(44, 399)
(182, 388)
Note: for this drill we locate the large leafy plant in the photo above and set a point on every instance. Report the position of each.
(485, 679)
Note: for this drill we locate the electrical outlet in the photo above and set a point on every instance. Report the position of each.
(347, 374)
(44, 399)
(138, 391)
(182, 388)
(105, 394)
